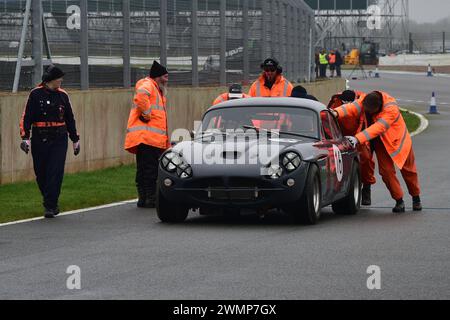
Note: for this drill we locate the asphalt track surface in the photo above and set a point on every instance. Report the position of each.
(126, 253)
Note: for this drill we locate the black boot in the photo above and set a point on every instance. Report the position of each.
(399, 206)
(49, 213)
(142, 197)
(417, 204)
(150, 200)
(366, 199)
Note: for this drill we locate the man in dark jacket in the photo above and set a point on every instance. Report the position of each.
(46, 124)
(338, 63)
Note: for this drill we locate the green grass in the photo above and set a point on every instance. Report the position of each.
(80, 190)
(412, 121)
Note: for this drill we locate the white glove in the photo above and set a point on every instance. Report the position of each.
(25, 146)
(76, 148)
(353, 141)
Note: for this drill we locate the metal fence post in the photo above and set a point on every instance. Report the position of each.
(194, 20)
(281, 35)
(223, 45)
(126, 44)
(163, 32)
(84, 46)
(264, 23)
(275, 39)
(288, 70)
(36, 16)
(443, 42)
(26, 19)
(245, 39)
(297, 48)
(310, 52)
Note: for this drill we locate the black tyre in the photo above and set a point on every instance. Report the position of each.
(351, 204)
(168, 211)
(307, 209)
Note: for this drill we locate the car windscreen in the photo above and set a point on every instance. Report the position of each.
(287, 120)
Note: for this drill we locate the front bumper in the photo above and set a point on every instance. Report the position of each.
(234, 191)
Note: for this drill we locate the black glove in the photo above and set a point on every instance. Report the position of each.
(76, 148)
(143, 119)
(25, 146)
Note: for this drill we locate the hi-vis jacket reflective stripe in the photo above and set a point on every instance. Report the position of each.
(332, 58)
(323, 58)
(149, 104)
(387, 124)
(350, 125)
(224, 97)
(281, 88)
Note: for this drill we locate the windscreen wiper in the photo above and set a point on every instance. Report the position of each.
(281, 132)
(299, 135)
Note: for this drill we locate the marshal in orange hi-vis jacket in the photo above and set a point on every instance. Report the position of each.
(392, 142)
(352, 125)
(281, 88)
(226, 96)
(147, 123)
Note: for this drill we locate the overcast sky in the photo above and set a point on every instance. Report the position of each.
(429, 10)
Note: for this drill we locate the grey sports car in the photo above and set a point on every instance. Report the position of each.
(261, 153)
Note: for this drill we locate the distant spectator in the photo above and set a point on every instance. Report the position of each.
(339, 62)
(317, 63)
(323, 63)
(332, 62)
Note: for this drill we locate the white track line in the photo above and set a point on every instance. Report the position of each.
(110, 205)
(423, 122)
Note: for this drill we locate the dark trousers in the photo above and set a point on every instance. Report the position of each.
(49, 157)
(323, 70)
(338, 70)
(147, 168)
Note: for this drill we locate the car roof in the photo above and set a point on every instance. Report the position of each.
(262, 102)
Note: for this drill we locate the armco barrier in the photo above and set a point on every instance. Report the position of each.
(101, 117)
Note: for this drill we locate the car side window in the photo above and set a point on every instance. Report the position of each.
(326, 126)
(335, 129)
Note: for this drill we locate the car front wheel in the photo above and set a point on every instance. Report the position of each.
(351, 204)
(168, 211)
(307, 209)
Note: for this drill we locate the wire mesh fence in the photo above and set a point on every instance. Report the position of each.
(430, 42)
(203, 42)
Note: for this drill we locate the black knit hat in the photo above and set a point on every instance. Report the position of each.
(235, 91)
(299, 92)
(157, 70)
(270, 62)
(52, 73)
(348, 95)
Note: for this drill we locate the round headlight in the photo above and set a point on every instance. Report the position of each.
(173, 162)
(291, 161)
(184, 170)
(275, 171)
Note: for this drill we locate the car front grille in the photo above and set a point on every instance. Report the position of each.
(229, 188)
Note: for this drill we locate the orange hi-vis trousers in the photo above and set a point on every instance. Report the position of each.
(387, 172)
(367, 164)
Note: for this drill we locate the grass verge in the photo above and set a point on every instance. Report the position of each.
(412, 121)
(79, 190)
